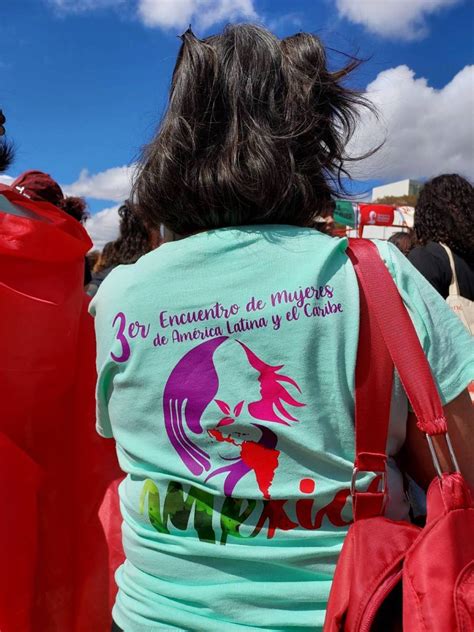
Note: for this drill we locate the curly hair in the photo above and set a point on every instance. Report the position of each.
(444, 213)
(75, 207)
(133, 240)
(108, 258)
(255, 132)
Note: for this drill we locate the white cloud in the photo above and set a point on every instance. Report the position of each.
(6, 179)
(399, 19)
(111, 184)
(82, 6)
(427, 131)
(103, 226)
(178, 14)
(285, 21)
(168, 14)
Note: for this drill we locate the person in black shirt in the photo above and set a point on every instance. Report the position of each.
(444, 214)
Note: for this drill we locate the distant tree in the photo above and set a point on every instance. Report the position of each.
(401, 200)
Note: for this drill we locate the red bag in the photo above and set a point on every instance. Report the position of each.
(392, 573)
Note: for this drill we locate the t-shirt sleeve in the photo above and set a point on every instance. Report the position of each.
(104, 313)
(448, 346)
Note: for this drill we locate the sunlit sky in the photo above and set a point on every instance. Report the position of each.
(83, 83)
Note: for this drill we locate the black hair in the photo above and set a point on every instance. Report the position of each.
(404, 241)
(444, 213)
(75, 207)
(255, 132)
(7, 154)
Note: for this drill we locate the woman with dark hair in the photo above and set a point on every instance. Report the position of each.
(404, 241)
(444, 216)
(226, 357)
(132, 243)
(134, 240)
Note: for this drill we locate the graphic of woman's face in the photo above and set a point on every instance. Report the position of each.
(238, 386)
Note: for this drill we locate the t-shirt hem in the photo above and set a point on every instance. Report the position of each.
(103, 433)
(131, 626)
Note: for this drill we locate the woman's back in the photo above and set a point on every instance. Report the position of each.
(226, 359)
(232, 407)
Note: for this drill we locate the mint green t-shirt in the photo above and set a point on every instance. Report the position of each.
(226, 376)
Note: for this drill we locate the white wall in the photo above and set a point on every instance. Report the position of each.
(394, 188)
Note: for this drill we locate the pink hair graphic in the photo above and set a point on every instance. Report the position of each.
(272, 391)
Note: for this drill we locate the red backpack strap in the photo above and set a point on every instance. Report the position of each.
(373, 392)
(400, 336)
(401, 339)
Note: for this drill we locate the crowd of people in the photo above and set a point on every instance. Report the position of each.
(226, 331)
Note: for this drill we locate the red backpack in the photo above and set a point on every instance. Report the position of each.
(395, 575)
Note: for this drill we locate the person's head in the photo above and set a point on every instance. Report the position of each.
(134, 239)
(108, 258)
(444, 213)
(40, 187)
(92, 258)
(404, 241)
(255, 133)
(324, 220)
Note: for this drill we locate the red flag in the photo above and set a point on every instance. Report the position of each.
(54, 470)
(375, 215)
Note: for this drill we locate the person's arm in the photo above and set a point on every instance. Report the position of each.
(416, 458)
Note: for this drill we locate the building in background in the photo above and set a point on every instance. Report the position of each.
(397, 189)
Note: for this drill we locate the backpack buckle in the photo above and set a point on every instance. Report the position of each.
(356, 471)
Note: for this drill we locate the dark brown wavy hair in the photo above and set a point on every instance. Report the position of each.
(133, 240)
(132, 243)
(75, 207)
(444, 213)
(255, 133)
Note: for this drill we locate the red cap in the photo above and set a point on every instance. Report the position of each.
(38, 186)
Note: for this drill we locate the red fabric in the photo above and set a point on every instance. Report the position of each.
(376, 214)
(54, 469)
(434, 565)
(399, 335)
(374, 378)
(38, 186)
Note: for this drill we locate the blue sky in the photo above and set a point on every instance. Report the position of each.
(83, 83)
